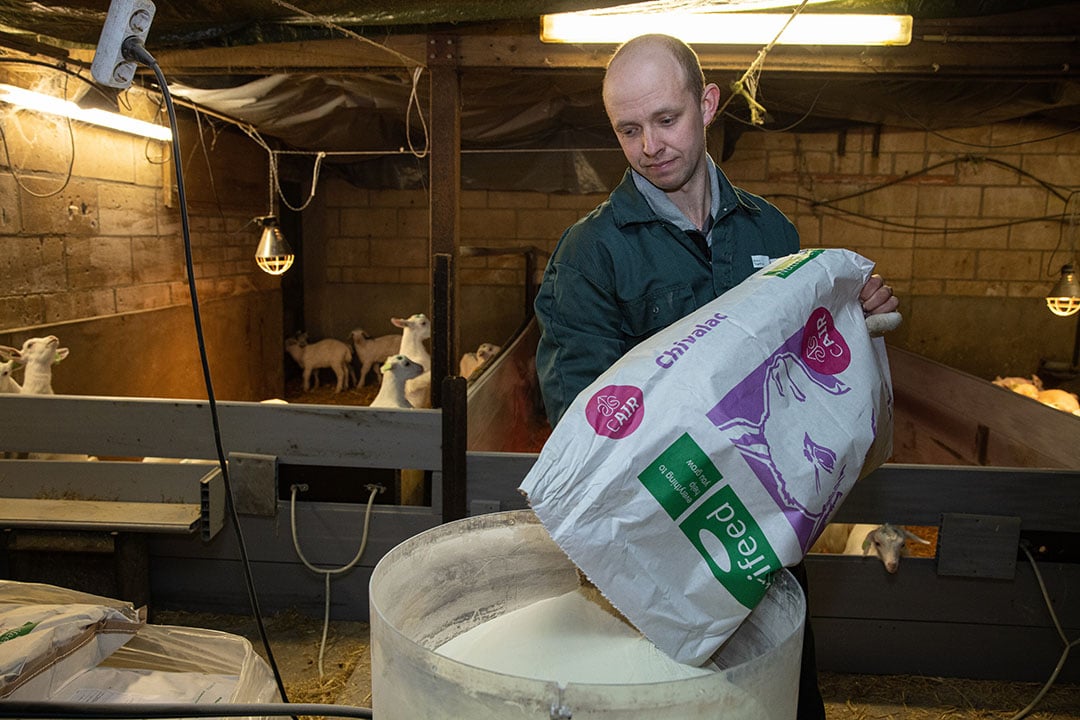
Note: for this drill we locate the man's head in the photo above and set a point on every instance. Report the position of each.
(659, 106)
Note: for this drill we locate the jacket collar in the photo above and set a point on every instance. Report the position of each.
(629, 206)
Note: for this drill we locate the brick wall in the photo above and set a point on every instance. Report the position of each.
(965, 242)
(103, 239)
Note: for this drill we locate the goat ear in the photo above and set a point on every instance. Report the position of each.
(6, 353)
(398, 322)
(867, 542)
(912, 536)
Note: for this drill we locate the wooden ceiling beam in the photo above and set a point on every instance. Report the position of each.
(396, 51)
(1046, 57)
(932, 53)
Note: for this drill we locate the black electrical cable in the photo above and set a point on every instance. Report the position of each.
(33, 710)
(133, 49)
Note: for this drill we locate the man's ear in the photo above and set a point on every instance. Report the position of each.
(710, 102)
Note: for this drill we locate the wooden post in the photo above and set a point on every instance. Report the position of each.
(445, 164)
(443, 343)
(455, 435)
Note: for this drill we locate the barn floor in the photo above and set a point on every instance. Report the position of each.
(347, 679)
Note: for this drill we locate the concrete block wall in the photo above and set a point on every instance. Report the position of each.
(91, 250)
(964, 224)
(366, 257)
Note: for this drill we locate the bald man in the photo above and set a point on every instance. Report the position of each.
(673, 235)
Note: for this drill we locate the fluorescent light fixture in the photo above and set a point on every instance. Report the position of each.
(39, 102)
(615, 25)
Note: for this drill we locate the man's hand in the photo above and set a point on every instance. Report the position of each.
(877, 297)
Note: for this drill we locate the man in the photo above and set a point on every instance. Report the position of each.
(673, 235)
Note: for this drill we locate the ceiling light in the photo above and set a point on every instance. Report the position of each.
(274, 255)
(710, 27)
(30, 100)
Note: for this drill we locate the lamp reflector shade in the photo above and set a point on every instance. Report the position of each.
(1064, 298)
(273, 255)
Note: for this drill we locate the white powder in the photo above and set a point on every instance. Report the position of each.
(566, 639)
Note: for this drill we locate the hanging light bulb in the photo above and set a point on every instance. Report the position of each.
(273, 255)
(1064, 298)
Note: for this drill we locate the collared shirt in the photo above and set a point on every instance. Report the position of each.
(623, 272)
(665, 209)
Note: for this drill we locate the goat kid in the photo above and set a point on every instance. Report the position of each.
(396, 372)
(415, 329)
(37, 357)
(371, 351)
(886, 541)
(329, 353)
(7, 367)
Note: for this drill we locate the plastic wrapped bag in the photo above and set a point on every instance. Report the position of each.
(67, 645)
(715, 452)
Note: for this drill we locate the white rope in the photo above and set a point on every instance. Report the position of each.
(275, 179)
(408, 111)
(746, 86)
(326, 573)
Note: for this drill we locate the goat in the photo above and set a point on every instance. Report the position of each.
(371, 351)
(418, 390)
(886, 541)
(7, 367)
(414, 331)
(1059, 400)
(396, 371)
(37, 356)
(329, 353)
(472, 361)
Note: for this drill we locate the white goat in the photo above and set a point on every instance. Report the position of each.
(7, 367)
(414, 331)
(1059, 400)
(833, 539)
(329, 353)
(473, 361)
(371, 351)
(37, 356)
(886, 541)
(418, 390)
(396, 371)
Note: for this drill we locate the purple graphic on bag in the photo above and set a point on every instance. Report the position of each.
(615, 411)
(774, 417)
(823, 347)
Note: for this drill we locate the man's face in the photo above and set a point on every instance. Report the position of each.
(659, 122)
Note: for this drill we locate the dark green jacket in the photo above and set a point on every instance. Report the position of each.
(620, 274)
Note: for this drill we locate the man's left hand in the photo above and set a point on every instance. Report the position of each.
(877, 297)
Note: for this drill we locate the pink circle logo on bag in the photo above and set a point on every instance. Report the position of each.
(616, 410)
(823, 348)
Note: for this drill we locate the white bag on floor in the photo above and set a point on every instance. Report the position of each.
(48, 635)
(65, 645)
(715, 452)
